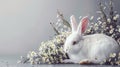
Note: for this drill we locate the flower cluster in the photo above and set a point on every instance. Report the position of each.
(114, 59)
(106, 23)
(51, 51)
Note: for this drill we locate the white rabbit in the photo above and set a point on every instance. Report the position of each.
(90, 48)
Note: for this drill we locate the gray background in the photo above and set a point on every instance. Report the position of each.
(25, 23)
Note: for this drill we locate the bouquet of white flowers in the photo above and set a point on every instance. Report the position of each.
(51, 51)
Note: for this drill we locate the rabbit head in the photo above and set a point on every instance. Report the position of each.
(73, 43)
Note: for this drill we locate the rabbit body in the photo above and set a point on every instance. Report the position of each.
(93, 48)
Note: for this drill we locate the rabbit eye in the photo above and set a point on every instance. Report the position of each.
(74, 42)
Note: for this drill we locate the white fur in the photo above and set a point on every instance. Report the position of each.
(93, 48)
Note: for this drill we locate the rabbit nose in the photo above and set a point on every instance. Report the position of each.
(66, 50)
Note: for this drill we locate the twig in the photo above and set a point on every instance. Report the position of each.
(65, 22)
(54, 28)
(104, 17)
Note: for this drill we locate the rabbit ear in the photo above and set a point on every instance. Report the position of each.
(82, 25)
(73, 23)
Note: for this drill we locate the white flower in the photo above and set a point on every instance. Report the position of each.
(119, 29)
(96, 24)
(104, 7)
(113, 55)
(91, 17)
(99, 22)
(98, 18)
(33, 53)
(111, 26)
(111, 31)
(109, 20)
(116, 17)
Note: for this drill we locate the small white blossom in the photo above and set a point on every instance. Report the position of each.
(98, 18)
(104, 7)
(109, 20)
(119, 29)
(91, 17)
(113, 55)
(99, 22)
(116, 17)
(111, 31)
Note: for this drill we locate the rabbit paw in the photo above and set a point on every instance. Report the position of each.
(85, 62)
(67, 60)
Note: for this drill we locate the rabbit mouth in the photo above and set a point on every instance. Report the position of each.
(67, 50)
(75, 50)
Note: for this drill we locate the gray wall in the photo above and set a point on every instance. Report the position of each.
(25, 23)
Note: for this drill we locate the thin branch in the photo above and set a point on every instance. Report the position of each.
(54, 28)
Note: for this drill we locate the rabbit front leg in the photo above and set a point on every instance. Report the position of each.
(69, 61)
